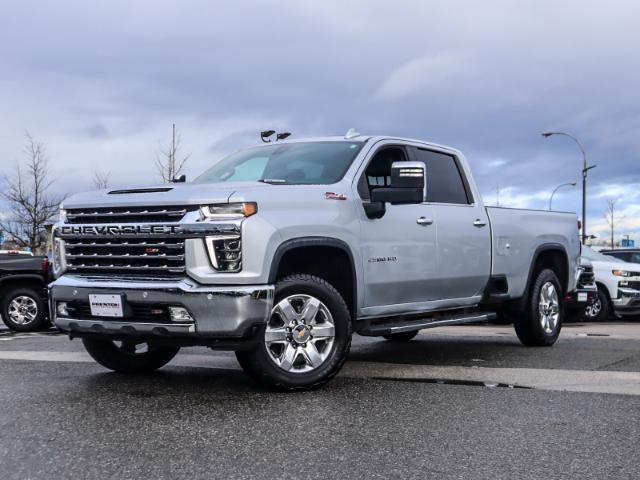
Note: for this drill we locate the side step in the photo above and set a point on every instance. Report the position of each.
(378, 327)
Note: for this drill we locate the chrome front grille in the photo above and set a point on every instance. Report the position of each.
(127, 215)
(144, 256)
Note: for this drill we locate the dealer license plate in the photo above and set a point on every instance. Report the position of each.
(105, 305)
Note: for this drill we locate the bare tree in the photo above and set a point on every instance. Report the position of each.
(169, 162)
(30, 202)
(611, 218)
(101, 179)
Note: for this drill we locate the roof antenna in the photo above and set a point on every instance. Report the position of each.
(351, 133)
(282, 136)
(264, 136)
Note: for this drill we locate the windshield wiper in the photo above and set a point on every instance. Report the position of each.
(273, 181)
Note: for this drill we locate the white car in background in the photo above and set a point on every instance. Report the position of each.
(618, 285)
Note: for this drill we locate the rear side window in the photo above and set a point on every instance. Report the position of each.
(444, 179)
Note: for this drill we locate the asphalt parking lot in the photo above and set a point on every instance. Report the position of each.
(456, 402)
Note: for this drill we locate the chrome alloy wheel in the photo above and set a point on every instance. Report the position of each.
(549, 307)
(23, 310)
(300, 333)
(593, 310)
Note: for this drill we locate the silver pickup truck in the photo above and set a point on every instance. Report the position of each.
(279, 252)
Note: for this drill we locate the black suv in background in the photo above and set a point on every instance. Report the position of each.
(23, 290)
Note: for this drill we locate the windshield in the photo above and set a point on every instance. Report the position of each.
(592, 255)
(304, 163)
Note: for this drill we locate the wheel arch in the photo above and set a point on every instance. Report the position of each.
(26, 280)
(551, 255)
(302, 254)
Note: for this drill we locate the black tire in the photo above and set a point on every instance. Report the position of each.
(121, 358)
(600, 311)
(401, 337)
(258, 362)
(528, 324)
(35, 301)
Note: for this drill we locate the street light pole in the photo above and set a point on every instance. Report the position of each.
(573, 184)
(585, 169)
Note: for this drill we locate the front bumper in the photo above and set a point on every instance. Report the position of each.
(628, 302)
(222, 312)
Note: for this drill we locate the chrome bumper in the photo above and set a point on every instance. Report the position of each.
(218, 312)
(628, 301)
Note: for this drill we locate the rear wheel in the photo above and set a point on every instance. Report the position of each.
(401, 337)
(130, 356)
(306, 340)
(23, 310)
(540, 323)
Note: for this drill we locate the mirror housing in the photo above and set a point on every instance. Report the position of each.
(408, 180)
(181, 179)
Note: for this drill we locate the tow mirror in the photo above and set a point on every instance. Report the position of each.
(407, 184)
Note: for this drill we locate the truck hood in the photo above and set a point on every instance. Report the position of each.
(163, 195)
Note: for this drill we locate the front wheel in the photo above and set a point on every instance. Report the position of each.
(598, 311)
(306, 339)
(540, 323)
(129, 356)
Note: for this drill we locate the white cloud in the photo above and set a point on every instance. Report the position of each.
(430, 74)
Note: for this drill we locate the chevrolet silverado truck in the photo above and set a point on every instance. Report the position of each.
(280, 251)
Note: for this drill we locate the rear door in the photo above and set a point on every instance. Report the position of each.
(463, 234)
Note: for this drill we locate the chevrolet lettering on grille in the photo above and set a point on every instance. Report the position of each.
(120, 230)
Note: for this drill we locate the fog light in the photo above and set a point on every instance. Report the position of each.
(62, 310)
(179, 314)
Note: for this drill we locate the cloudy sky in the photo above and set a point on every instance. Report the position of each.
(101, 83)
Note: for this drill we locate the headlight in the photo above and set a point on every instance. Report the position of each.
(228, 210)
(225, 253)
(621, 273)
(58, 251)
(62, 215)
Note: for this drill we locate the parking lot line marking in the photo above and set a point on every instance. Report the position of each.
(626, 383)
(616, 382)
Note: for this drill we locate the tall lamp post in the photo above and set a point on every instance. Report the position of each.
(585, 170)
(572, 184)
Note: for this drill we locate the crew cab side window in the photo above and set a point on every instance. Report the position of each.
(445, 183)
(378, 172)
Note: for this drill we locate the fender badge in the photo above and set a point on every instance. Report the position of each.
(334, 196)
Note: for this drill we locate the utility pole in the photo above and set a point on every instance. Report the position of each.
(585, 169)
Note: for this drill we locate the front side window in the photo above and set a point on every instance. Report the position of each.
(378, 172)
(304, 163)
(444, 179)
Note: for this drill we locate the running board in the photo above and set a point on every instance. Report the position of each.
(371, 327)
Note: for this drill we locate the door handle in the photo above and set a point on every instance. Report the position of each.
(479, 223)
(424, 221)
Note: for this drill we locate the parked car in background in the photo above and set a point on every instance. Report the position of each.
(618, 285)
(631, 255)
(23, 290)
(585, 294)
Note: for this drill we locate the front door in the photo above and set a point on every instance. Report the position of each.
(399, 249)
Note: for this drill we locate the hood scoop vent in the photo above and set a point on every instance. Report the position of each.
(140, 190)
